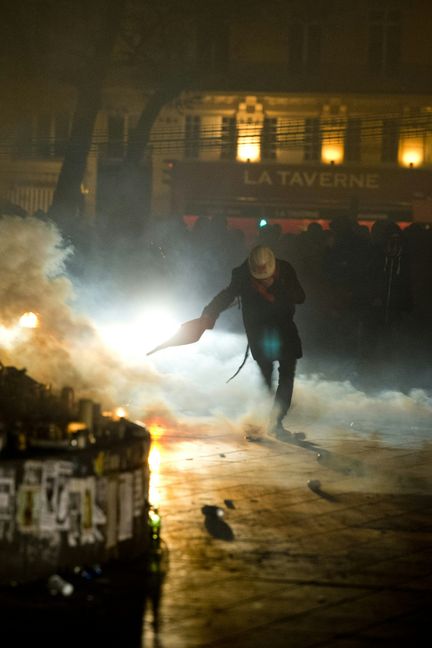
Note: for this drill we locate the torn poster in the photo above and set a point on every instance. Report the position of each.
(125, 526)
(112, 497)
(28, 508)
(7, 504)
(138, 493)
(75, 512)
(88, 505)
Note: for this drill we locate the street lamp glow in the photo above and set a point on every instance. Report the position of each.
(248, 151)
(332, 153)
(248, 144)
(411, 153)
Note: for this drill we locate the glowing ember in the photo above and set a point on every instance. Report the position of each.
(156, 430)
(120, 412)
(75, 426)
(29, 320)
(154, 458)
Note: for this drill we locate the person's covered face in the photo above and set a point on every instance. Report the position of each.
(262, 265)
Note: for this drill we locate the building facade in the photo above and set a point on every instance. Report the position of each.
(296, 111)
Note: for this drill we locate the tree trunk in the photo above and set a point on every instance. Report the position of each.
(65, 208)
(137, 169)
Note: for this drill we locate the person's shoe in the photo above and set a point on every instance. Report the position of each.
(280, 433)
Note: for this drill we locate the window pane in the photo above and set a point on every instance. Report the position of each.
(353, 140)
(213, 44)
(268, 139)
(390, 140)
(376, 47)
(313, 54)
(229, 138)
(296, 46)
(192, 136)
(393, 50)
(312, 140)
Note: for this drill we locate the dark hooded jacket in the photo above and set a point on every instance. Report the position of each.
(268, 320)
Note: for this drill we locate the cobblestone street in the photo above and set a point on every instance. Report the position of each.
(345, 562)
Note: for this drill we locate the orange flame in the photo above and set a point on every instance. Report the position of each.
(120, 412)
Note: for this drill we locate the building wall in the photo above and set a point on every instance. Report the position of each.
(412, 114)
(246, 49)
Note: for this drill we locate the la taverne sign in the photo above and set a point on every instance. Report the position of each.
(309, 178)
(302, 185)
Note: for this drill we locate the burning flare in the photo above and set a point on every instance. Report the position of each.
(156, 429)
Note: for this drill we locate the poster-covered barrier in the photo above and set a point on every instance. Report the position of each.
(74, 507)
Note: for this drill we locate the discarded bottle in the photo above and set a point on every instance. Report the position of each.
(154, 522)
(57, 585)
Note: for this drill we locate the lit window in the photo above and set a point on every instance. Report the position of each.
(332, 153)
(411, 152)
(332, 136)
(248, 145)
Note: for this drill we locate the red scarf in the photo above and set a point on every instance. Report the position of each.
(263, 291)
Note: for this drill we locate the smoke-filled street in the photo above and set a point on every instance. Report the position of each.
(324, 540)
(321, 543)
(215, 323)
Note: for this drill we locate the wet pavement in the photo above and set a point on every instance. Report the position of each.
(320, 542)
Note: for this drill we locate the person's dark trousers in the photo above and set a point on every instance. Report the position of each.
(284, 391)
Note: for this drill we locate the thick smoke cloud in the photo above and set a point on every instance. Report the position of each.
(187, 386)
(65, 349)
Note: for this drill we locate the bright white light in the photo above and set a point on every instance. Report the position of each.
(133, 339)
(11, 335)
(8, 336)
(29, 320)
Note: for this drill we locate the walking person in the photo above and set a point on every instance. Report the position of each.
(268, 289)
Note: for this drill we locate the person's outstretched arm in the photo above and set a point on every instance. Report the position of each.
(222, 300)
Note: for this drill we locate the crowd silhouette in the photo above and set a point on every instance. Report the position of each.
(368, 312)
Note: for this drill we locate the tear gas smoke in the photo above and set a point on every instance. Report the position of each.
(185, 385)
